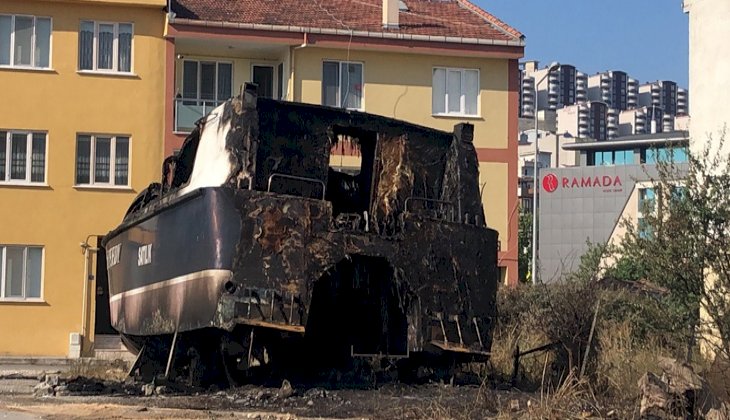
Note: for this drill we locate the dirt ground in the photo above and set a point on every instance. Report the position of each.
(392, 401)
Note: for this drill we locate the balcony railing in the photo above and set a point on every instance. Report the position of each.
(188, 111)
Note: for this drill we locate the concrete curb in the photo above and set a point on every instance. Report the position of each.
(36, 361)
(27, 374)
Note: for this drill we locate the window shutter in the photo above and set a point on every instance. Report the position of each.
(23, 40)
(438, 96)
(453, 91)
(351, 86)
(102, 159)
(18, 155)
(121, 161)
(13, 272)
(125, 47)
(3, 156)
(225, 81)
(105, 48)
(42, 42)
(38, 158)
(83, 160)
(86, 46)
(5, 31)
(471, 92)
(208, 82)
(33, 267)
(190, 79)
(330, 82)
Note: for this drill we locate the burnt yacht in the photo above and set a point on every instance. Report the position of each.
(253, 240)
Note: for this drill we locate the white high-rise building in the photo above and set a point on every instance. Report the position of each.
(615, 88)
(587, 120)
(566, 87)
(633, 122)
(527, 96)
(661, 94)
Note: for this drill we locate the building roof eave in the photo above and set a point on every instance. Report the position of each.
(673, 138)
(520, 43)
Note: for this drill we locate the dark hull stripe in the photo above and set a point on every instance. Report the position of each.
(205, 274)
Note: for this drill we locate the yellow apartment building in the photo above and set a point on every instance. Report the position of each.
(96, 92)
(81, 129)
(434, 63)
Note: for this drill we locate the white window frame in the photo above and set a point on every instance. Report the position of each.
(115, 49)
(199, 62)
(32, 65)
(462, 100)
(3, 280)
(343, 63)
(112, 161)
(28, 158)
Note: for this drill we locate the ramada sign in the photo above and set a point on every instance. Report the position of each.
(550, 182)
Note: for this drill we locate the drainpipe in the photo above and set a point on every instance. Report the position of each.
(292, 58)
(87, 250)
(170, 14)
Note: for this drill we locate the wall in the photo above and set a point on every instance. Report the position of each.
(709, 69)
(550, 144)
(60, 216)
(709, 73)
(572, 214)
(399, 86)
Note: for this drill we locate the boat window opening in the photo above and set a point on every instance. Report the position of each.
(350, 174)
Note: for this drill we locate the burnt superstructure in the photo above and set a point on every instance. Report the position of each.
(253, 241)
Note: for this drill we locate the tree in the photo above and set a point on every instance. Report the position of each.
(524, 245)
(683, 244)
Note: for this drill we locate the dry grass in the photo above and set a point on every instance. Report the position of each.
(573, 399)
(110, 370)
(531, 366)
(622, 362)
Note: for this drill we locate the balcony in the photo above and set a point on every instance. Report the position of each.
(188, 111)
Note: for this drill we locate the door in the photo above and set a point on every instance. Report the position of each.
(263, 76)
(103, 322)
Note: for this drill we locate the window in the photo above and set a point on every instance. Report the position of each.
(22, 157)
(25, 41)
(665, 154)
(647, 204)
(206, 82)
(455, 92)
(20, 272)
(611, 157)
(102, 160)
(342, 84)
(623, 157)
(647, 199)
(105, 46)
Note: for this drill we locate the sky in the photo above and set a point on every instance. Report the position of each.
(648, 39)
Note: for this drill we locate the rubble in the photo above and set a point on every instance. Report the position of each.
(43, 389)
(148, 390)
(286, 390)
(678, 393)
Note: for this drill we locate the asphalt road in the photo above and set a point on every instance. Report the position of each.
(11, 415)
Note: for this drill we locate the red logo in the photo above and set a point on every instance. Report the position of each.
(550, 183)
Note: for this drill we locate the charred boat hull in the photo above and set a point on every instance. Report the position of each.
(168, 270)
(223, 257)
(251, 233)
